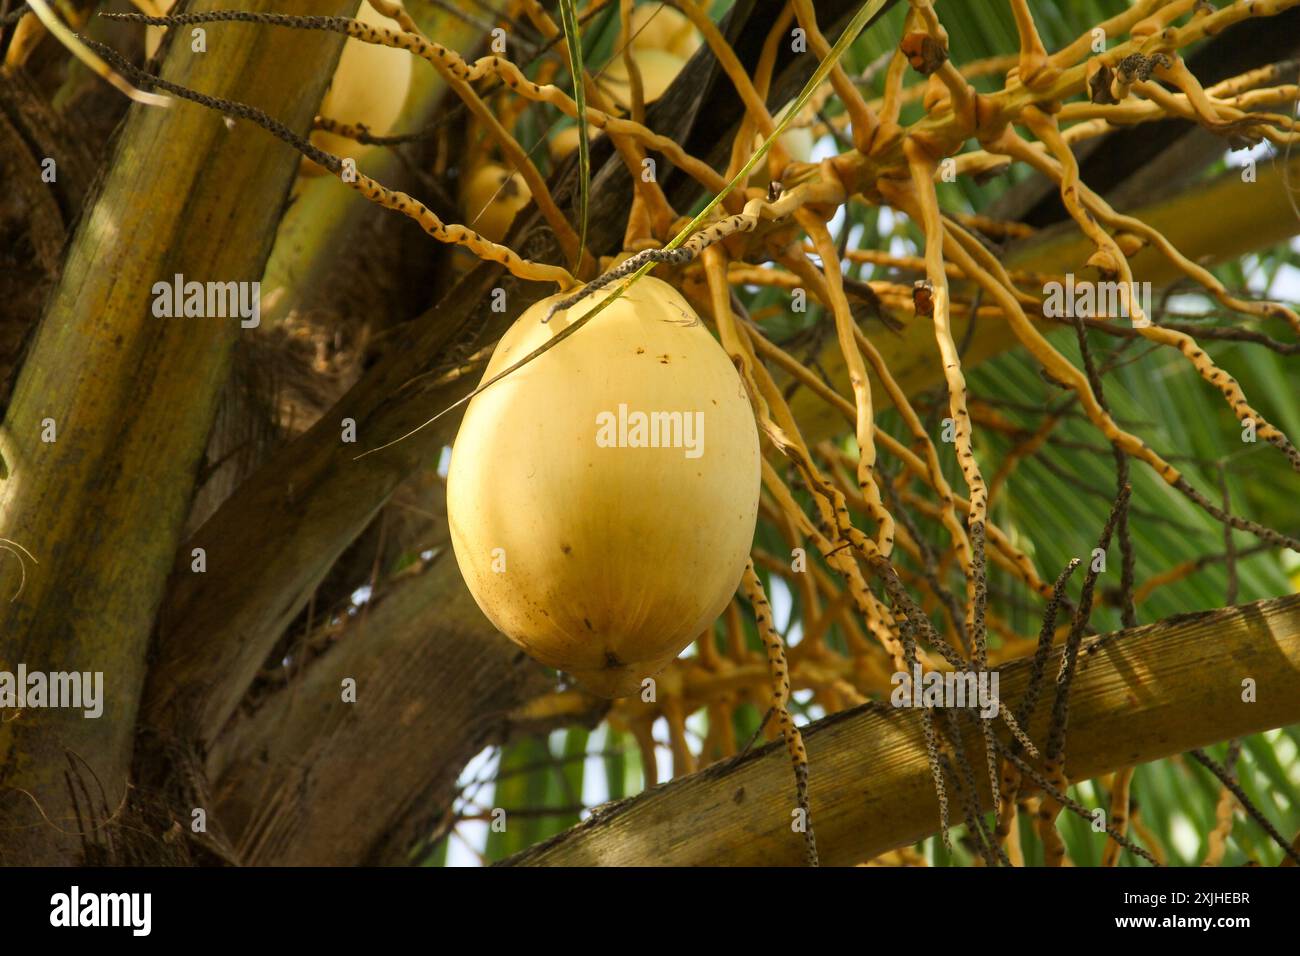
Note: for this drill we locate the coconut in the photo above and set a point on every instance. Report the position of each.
(657, 68)
(602, 498)
(566, 141)
(797, 140)
(153, 36)
(369, 86)
(490, 197)
(658, 27)
(563, 143)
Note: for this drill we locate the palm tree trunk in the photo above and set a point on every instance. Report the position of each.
(112, 409)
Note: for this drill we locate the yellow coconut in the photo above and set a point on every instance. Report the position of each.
(490, 196)
(369, 86)
(657, 26)
(798, 142)
(602, 498)
(657, 68)
(566, 141)
(563, 143)
(153, 36)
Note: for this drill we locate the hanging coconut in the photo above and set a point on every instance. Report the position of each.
(658, 60)
(659, 27)
(798, 141)
(566, 141)
(490, 197)
(153, 36)
(369, 86)
(602, 498)
(658, 69)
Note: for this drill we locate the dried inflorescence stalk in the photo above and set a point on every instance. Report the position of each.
(780, 671)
